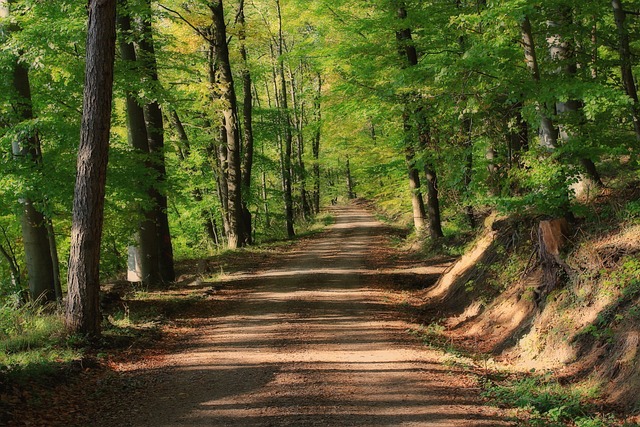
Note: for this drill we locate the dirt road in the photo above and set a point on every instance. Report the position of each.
(306, 342)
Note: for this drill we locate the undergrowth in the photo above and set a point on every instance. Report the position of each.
(547, 403)
(33, 340)
(35, 345)
(541, 400)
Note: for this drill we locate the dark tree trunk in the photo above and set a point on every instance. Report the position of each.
(147, 235)
(13, 266)
(288, 137)
(433, 198)
(8, 253)
(155, 135)
(626, 63)
(247, 110)
(409, 54)
(518, 139)
(53, 250)
(316, 146)
(467, 129)
(83, 302)
(351, 194)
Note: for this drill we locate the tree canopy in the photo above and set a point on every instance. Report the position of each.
(258, 113)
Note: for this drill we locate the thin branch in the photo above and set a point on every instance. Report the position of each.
(342, 21)
(484, 74)
(240, 11)
(182, 18)
(10, 256)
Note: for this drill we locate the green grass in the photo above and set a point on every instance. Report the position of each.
(547, 402)
(33, 341)
(541, 400)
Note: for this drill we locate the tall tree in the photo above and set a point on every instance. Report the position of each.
(410, 53)
(147, 234)
(562, 52)
(298, 114)
(247, 117)
(317, 134)
(624, 51)
(155, 134)
(548, 132)
(83, 302)
(231, 134)
(286, 124)
(184, 152)
(27, 150)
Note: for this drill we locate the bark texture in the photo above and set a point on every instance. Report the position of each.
(288, 136)
(83, 303)
(147, 234)
(548, 132)
(235, 233)
(155, 135)
(35, 234)
(247, 120)
(315, 147)
(624, 50)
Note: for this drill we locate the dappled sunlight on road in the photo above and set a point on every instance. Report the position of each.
(310, 342)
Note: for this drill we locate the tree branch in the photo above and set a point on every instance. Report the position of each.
(183, 19)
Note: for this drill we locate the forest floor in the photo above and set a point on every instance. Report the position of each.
(307, 335)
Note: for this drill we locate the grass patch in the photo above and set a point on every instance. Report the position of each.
(540, 400)
(548, 403)
(33, 341)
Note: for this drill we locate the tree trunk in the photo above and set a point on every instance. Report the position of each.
(298, 116)
(433, 198)
(548, 132)
(83, 302)
(561, 51)
(408, 51)
(236, 233)
(288, 137)
(8, 253)
(351, 194)
(38, 256)
(467, 129)
(35, 236)
(316, 146)
(624, 50)
(518, 139)
(13, 266)
(247, 115)
(53, 250)
(147, 235)
(265, 204)
(155, 135)
(417, 202)
(184, 150)
(236, 236)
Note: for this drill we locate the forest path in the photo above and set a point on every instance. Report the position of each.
(308, 340)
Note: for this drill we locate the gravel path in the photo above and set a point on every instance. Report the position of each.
(306, 342)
